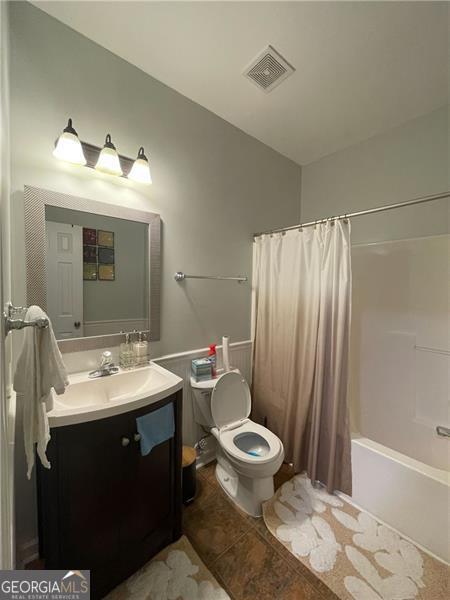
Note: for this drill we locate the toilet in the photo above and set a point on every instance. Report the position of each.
(248, 454)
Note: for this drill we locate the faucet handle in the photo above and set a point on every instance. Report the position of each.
(106, 359)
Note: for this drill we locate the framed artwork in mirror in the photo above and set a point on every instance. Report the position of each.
(89, 236)
(106, 256)
(105, 238)
(106, 273)
(89, 272)
(89, 254)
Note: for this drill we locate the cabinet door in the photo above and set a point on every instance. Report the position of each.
(148, 494)
(90, 463)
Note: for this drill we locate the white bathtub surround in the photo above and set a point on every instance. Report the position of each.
(410, 496)
(302, 304)
(400, 346)
(355, 555)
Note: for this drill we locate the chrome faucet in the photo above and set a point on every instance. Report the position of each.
(106, 366)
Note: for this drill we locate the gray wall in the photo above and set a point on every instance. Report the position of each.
(406, 162)
(213, 185)
(126, 297)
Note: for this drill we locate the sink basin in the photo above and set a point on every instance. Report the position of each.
(90, 399)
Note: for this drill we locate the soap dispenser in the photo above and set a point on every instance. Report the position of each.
(126, 356)
(141, 351)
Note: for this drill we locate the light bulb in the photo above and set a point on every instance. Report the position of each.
(68, 146)
(140, 171)
(108, 159)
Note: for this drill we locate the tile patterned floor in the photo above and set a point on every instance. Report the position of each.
(239, 550)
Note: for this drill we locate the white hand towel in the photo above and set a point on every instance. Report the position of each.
(39, 369)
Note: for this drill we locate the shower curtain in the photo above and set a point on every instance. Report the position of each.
(301, 330)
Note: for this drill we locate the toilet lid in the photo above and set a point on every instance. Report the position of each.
(230, 400)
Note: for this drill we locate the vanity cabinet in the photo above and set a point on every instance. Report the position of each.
(102, 505)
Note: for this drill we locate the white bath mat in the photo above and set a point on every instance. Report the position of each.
(357, 557)
(176, 573)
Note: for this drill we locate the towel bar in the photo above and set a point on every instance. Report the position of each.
(12, 321)
(443, 431)
(179, 276)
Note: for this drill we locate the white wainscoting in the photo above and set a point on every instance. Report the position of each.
(92, 328)
(180, 364)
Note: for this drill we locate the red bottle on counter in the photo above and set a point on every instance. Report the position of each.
(212, 355)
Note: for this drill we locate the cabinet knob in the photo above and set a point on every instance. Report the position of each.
(137, 437)
(125, 441)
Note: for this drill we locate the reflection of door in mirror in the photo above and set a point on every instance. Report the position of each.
(65, 279)
(97, 282)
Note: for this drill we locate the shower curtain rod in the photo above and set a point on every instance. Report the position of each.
(360, 213)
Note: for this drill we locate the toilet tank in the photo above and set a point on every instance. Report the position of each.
(201, 392)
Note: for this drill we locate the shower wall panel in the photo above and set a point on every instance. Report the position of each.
(400, 350)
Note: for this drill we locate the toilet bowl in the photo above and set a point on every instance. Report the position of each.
(248, 454)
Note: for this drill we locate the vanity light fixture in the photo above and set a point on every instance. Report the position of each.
(108, 159)
(68, 146)
(140, 171)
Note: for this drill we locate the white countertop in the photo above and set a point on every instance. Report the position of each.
(91, 399)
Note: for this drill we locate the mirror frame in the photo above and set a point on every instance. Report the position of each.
(35, 201)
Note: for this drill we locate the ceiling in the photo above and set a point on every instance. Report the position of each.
(361, 67)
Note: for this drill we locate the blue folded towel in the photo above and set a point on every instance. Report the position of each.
(156, 427)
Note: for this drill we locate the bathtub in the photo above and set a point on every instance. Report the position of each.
(404, 493)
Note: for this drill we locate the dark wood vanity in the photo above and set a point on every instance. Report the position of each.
(102, 505)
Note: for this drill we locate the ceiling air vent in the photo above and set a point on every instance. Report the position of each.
(268, 69)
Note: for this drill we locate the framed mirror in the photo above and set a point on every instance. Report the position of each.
(93, 267)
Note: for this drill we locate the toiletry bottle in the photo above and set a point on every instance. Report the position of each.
(134, 338)
(213, 358)
(140, 351)
(146, 351)
(143, 349)
(126, 356)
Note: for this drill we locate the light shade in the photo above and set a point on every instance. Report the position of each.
(140, 171)
(68, 146)
(108, 159)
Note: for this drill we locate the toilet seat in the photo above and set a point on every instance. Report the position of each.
(230, 408)
(230, 399)
(228, 435)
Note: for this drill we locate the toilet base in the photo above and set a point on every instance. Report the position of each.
(246, 492)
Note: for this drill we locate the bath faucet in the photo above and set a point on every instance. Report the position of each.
(106, 366)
